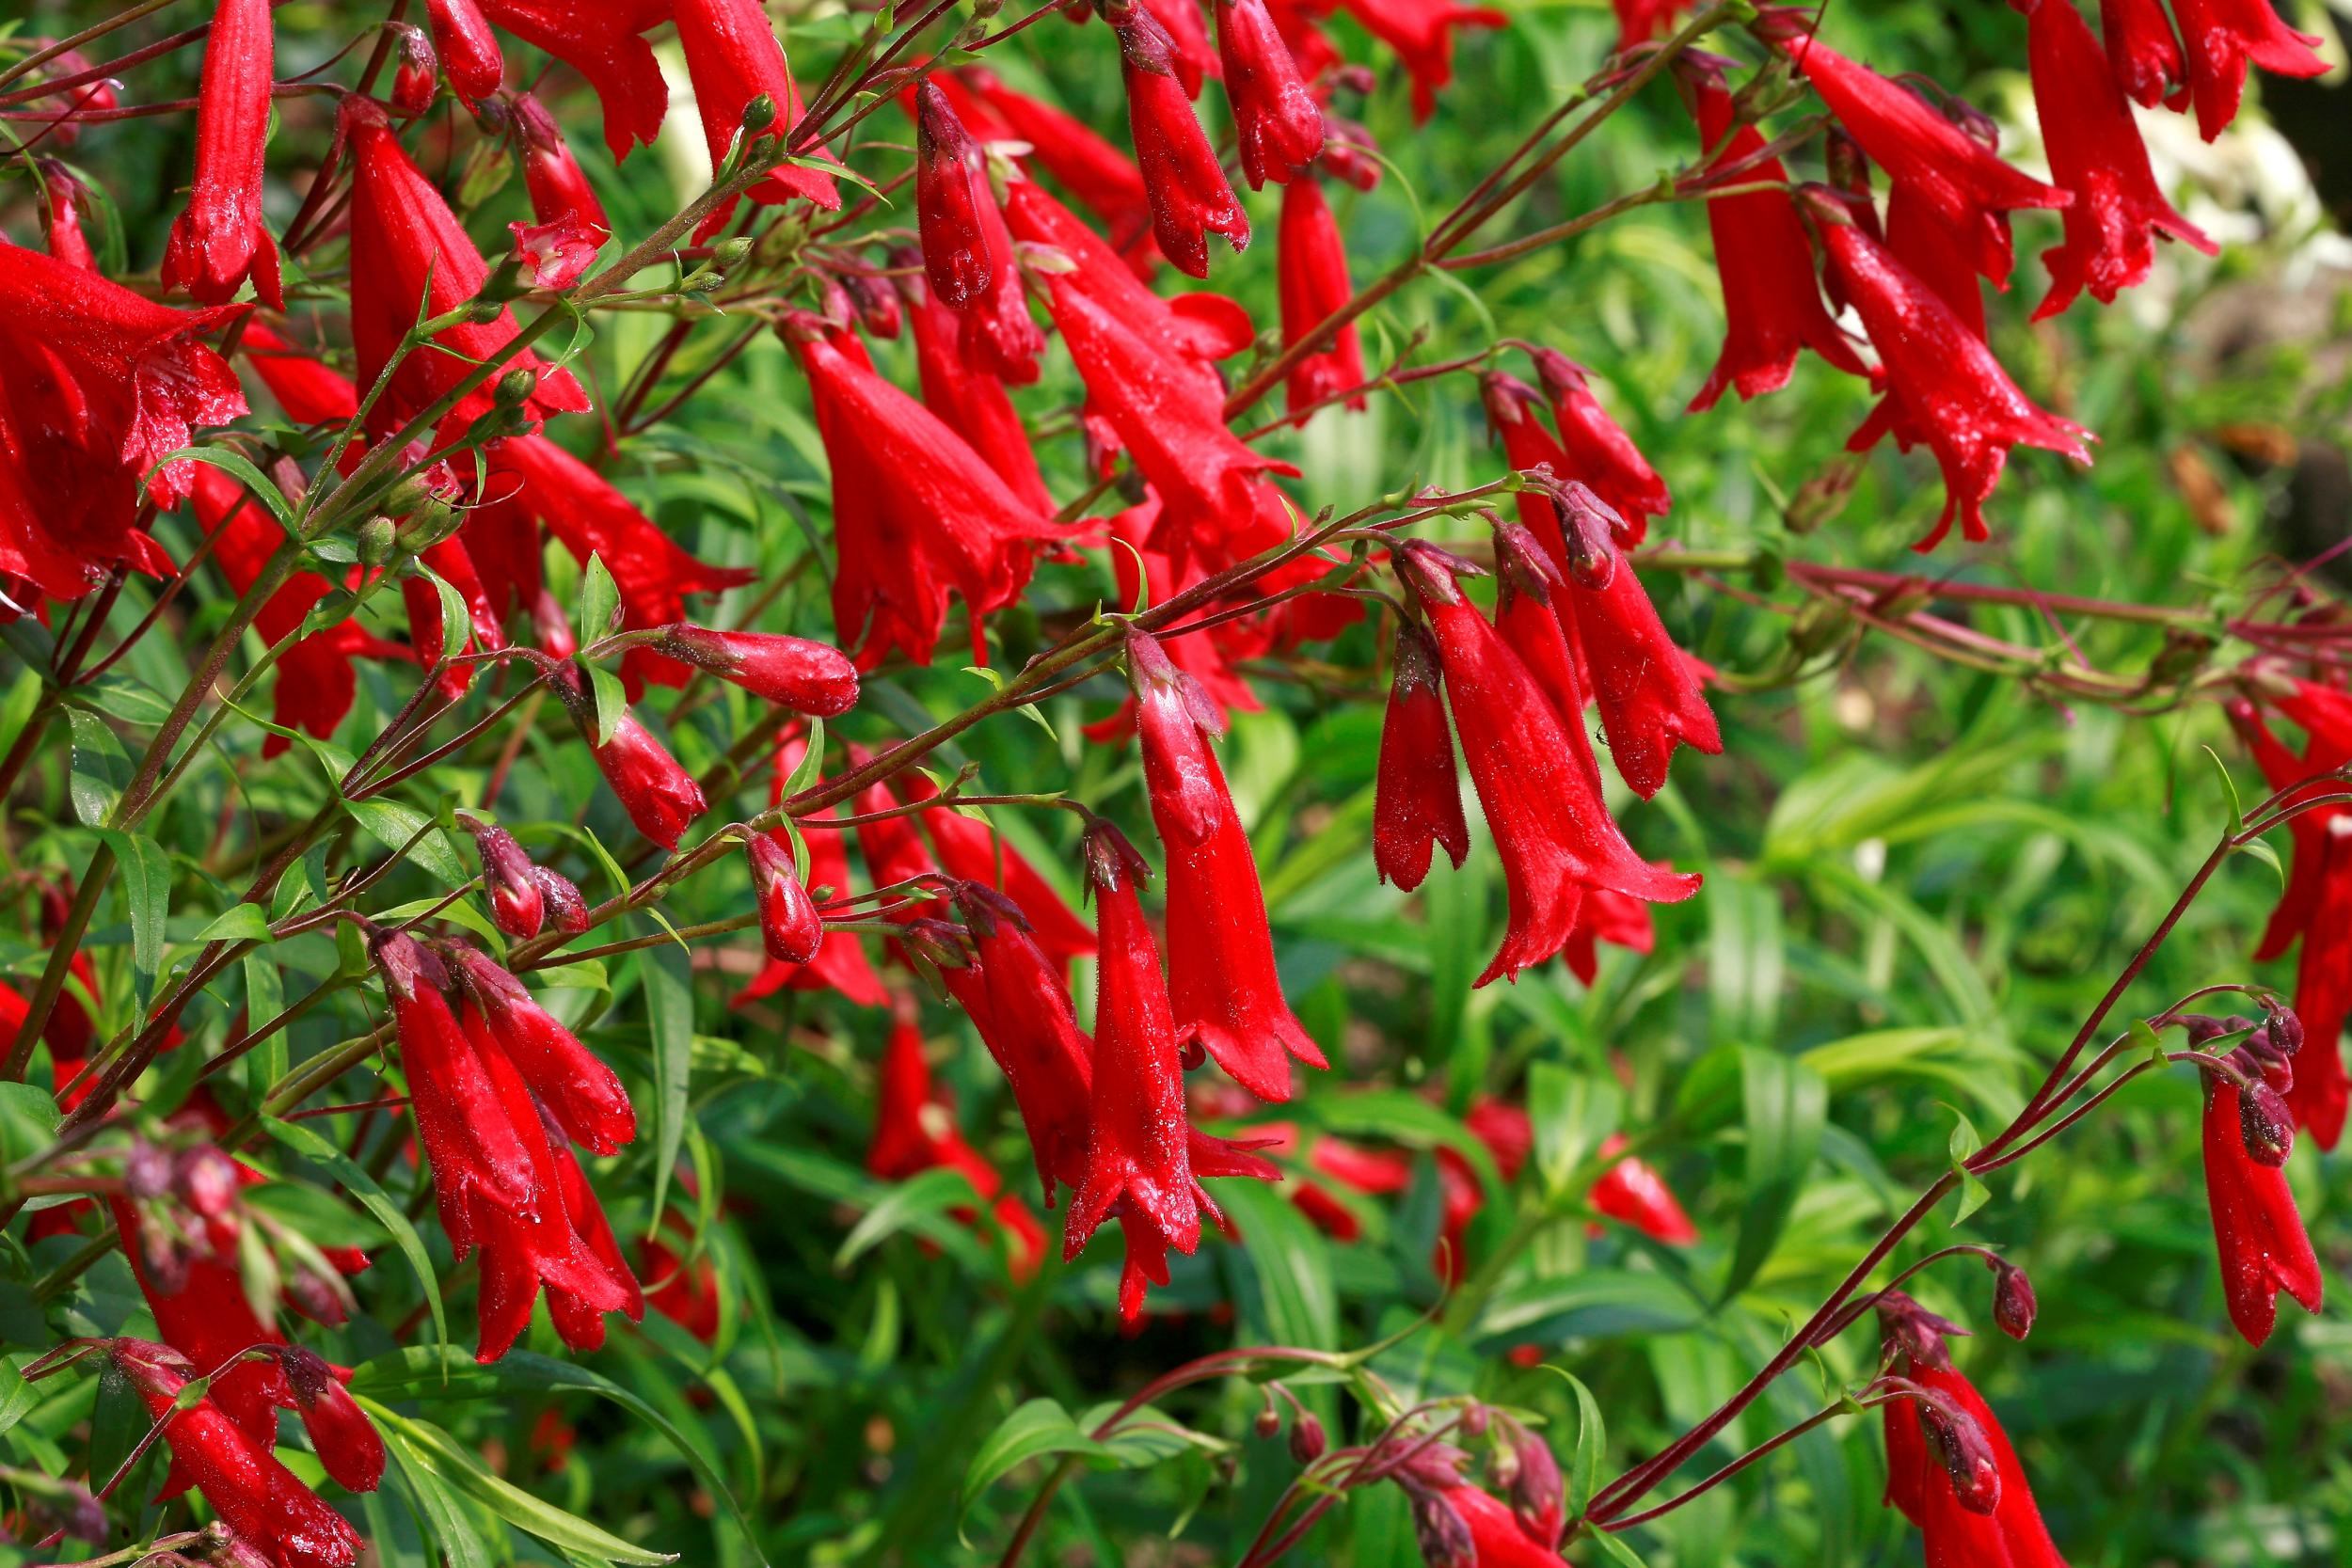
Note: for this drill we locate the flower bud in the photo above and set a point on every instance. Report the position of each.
(1957, 1444)
(2266, 1124)
(208, 1180)
(1476, 1420)
(1537, 1498)
(1308, 1442)
(347, 1442)
(419, 75)
(2012, 1300)
(1441, 1532)
(660, 796)
(516, 904)
(376, 540)
(878, 306)
(146, 1170)
(1269, 1421)
(949, 190)
(566, 910)
(807, 677)
(789, 926)
(759, 116)
(515, 388)
(730, 254)
(2285, 1028)
(221, 1547)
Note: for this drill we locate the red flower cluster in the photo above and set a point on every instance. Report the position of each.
(1949, 1466)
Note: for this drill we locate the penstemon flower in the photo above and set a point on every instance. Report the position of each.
(221, 240)
(1422, 33)
(1275, 118)
(1189, 195)
(2222, 38)
(560, 192)
(789, 926)
(1419, 801)
(1312, 283)
(1097, 175)
(468, 48)
(734, 57)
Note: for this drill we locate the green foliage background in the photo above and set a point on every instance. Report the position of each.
(1919, 878)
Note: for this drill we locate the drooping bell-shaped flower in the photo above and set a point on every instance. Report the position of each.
(308, 390)
(968, 250)
(806, 676)
(580, 1093)
(2096, 154)
(468, 48)
(64, 200)
(1951, 1471)
(1417, 800)
(1195, 56)
(1529, 588)
(975, 852)
(1599, 453)
(1422, 33)
(660, 796)
(1221, 953)
(1943, 377)
(2143, 53)
(1016, 1000)
(1535, 778)
(1190, 197)
(2222, 38)
(1275, 118)
(603, 42)
(1963, 183)
(222, 239)
(560, 192)
(789, 926)
(733, 54)
(348, 1445)
(1612, 918)
(1311, 273)
(971, 400)
(2258, 1234)
(1631, 1192)
(1771, 297)
(2326, 716)
(1097, 175)
(2322, 1089)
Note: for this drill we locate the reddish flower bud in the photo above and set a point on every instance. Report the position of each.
(223, 239)
(2222, 38)
(951, 185)
(64, 200)
(1599, 453)
(1418, 800)
(1308, 1442)
(558, 190)
(789, 926)
(1190, 197)
(348, 1444)
(2013, 1304)
(662, 797)
(2265, 1125)
(1538, 1497)
(417, 79)
(1441, 1532)
(578, 1090)
(1275, 118)
(1957, 1444)
(806, 676)
(566, 909)
(877, 302)
(467, 47)
(517, 903)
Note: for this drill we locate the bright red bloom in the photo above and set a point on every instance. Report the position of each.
(2143, 53)
(580, 1093)
(1528, 612)
(1640, 21)
(1940, 376)
(971, 401)
(601, 42)
(1609, 917)
(554, 255)
(1535, 779)
(803, 676)
(1599, 453)
(2323, 992)
(1772, 298)
(1422, 33)
(222, 240)
(1964, 183)
(1313, 275)
(101, 385)
(1634, 1193)
(1207, 656)
(789, 926)
(1213, 496)
(519, 904)
(2326, 716)
(581, 508)
(1275, 118)
(1190, 197)
(2007, 1534)
(840, 963)
(732, 55)
(967, 250)
(63, 198)
(2096, 154)
(1097, 175)
(975, 852)
(469, 49)
(914, 1130)
(255, 1495)
(2222, 38)
(560, 192)
(1016, 1000)
(1496, 1538)
(1418, 800)
(662, 797)
(417, 77)
(1220, 953)
(2258, 1235)
(349, 1446)
(407, 250)
(685, 1292)
(1195, 58)
(917, 513)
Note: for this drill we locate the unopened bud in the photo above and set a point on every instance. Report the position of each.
(146, 1170)
(1820, 625)
(1476, 1420)
(1307, 1441)
(2266, 1125)
(376, 540)
(732, 253)
(759, 116)
(517, 907)
(2013, 1304)
(428, 525)
(515, 388)
(1269, 1422)
(789, 926)
(1538, 1501)
(2285, 1027)
(566, 909)
(702, 280)
(1957, 1444)
(1441, 1532)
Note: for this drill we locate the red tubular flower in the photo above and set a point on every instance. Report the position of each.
(1212, 497)
(349, 1446)
(950, 187)
(1964, 183)
(1646, 688)
(1422, 33)
(2095, 153)
(1418, 800)
(1640, 21)
(917, 512)
(789, 926)
(732, 55)
(1599, 453)
(661, 798)
(560, 192)
(2143, 53)
(222, 239)
(803, 676)
(2221, 39)
(975, 852)
(1016, 998)
(601, 42)
(1772, 298)
(1275, 118)
(103, 384)
(840, 963)
(1940, 376)
(1634, 1193)
(417, 79)
(554, 255)
(1528, 614)
(1535, 779)
(1497, 1539)
(460, 1123)
(2008, 1529)
(1195, 58)
(582, 508)
(2325, 715)
(971, 401)
(1097, 175)
(1313, 275)
(307, 390)
(2323, 995)
(685, 1292)
(518, 902)
(1609, 917)
(580, 1093)
(404, 241)
(1220, 953)
(914, 1130)
(255, 1495)
(469, 49)
(1190, 197)
(2258, 1235)
(63, 198)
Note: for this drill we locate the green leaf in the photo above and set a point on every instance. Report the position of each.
(28, 1121)
(356, 1180)
(314, 1213)
(611, 700)
(668, 984)
(1571, 1114)
(17, 1396)
(905, 1206)
(600, 601)
(456, 622)
(441, 1520)
(237, 922)
(239, 467)
(2228, 791)
(442, 1457)
(394, 825)
(1042, 1429)
(1784, 1103)
(264, 999)
(813, 758)
(146, 883)
(1592, 1442)
(1618, 1552)
(101, 767)
(1596, 1303)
